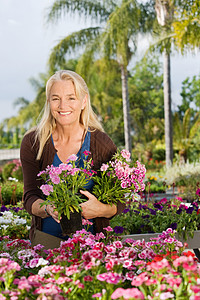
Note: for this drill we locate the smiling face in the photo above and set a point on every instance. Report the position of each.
(64, 105)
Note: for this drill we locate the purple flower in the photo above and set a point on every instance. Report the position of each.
(158, 206)
(173, 226)
(179, 211)
(118, 229)
(190, 210)
(145, 217)
(4, 208)
(126, 210)
(152, 211)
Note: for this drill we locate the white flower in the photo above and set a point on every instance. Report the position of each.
(4, 226)
(4, 221)
(42, 262)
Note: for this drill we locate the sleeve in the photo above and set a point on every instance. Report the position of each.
(30, 168)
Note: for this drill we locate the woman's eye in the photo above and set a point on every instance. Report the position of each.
(54, 99)
(71, 98)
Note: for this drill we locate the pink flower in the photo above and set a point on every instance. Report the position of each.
(166, 295)
(97, 295)
(88, 278)
(108, 228)
(127, 294)
(118, 244)
(86, 152)
(72, 157)
(54, 178)
(124, 184)
(104, 167)
(46, 189)
(126, 154)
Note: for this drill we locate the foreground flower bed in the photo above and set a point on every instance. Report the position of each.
(99, 267)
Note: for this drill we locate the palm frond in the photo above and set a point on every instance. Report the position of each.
(70, 44)
(98, 10)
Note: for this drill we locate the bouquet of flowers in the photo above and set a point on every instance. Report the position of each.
(62, 184)
(119, 179)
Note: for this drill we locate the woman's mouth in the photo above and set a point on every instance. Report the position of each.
(64, 113)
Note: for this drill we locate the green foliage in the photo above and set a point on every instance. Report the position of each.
(190, 94)
(12, 169)
(7, 170)
(11, 192)
(106, 100)
(146, 100)
(157, 217)
(187, 25)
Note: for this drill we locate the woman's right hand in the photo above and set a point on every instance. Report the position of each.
(50, 209)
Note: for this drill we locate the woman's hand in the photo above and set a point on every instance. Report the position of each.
(93, 208)
(52, 212)
(44, 211)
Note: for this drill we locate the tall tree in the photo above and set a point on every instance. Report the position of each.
(164, 10)
(120, 23)
(187, 26)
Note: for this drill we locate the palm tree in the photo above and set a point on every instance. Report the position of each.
(185, 131)
(164, 10)
(187, 26)
(120, 23)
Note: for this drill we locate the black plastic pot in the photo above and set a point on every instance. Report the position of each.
(71, 225)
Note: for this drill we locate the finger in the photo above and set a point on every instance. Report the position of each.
(88, 194)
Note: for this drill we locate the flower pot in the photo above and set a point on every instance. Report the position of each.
(71, 225)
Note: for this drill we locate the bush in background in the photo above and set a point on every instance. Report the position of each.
(11, 192)
(12, 169)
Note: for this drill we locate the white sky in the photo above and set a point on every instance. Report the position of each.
(25, 44)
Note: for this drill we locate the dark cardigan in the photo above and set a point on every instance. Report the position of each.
(102, 149)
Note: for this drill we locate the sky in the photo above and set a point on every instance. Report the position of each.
(26, 43)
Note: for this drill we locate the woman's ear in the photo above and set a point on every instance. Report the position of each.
(84, 102)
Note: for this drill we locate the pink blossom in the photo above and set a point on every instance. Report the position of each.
(104, 167)
(46, 189)
(86, 152)
(54, 178)
(72, 157)
(127, 293)
(108, 229)
(124, 184)
(97, 295)
(126, 154)
(118, 244)
(166, 295)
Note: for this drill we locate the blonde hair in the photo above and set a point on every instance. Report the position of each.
(47, 123)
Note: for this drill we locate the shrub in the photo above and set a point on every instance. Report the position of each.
(12, 169)
(7, 170)
(11, 192)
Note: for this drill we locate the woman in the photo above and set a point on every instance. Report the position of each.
(68, 126)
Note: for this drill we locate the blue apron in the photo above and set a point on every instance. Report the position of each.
(49, 225)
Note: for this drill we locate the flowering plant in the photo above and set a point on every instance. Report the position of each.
(119, 179)
(14, 222)
(89, 266)
(62, 184)
(157, 216)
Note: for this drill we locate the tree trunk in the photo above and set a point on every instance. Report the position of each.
(126, 109)
(167, 110)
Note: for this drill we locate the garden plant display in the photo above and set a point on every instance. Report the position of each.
(157, 216)
(118, 178)
(14, 222)
(63, 183)
(117, 269)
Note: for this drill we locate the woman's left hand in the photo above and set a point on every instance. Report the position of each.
(93, 208)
